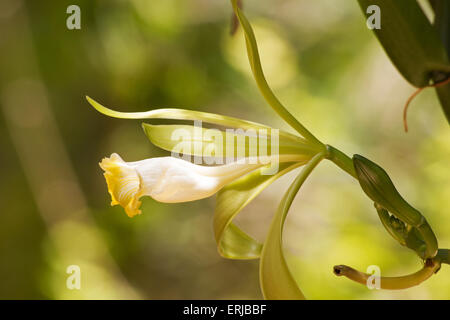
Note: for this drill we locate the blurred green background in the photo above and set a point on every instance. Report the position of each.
(135, 55)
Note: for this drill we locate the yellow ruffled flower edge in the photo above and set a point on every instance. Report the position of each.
(124, 184)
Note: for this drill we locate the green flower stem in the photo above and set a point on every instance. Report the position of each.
(391, 283)
(341, 160)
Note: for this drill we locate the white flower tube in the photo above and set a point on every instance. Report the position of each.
(167, 179)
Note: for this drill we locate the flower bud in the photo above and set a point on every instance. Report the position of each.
(406, 236)
(376, 183)
(379, 187)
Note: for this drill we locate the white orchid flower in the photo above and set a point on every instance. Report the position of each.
(168, 179)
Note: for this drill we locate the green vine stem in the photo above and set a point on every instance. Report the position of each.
(444, 256)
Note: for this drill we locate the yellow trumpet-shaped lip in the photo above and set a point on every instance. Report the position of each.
(123, 184)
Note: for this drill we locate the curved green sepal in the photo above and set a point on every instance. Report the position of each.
(258, 74)
(232, 242)
(214, 142)
(183, 114)
(277, 282)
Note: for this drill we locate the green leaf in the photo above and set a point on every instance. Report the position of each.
(277, 282)
(444, 97)
(255, 64)
(442, 25)
(232, 242)
(409, 39)
(201, 141)
(442, 21)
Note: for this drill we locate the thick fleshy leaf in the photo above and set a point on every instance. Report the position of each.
(442, 21)
(183, 114)
(232, 242)
(255, 64)
(410, 41)
(276, 280)
(442, 25)
(215, 143)
(444, 97)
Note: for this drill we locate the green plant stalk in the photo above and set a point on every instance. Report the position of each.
(443, 255)
(341, 160)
